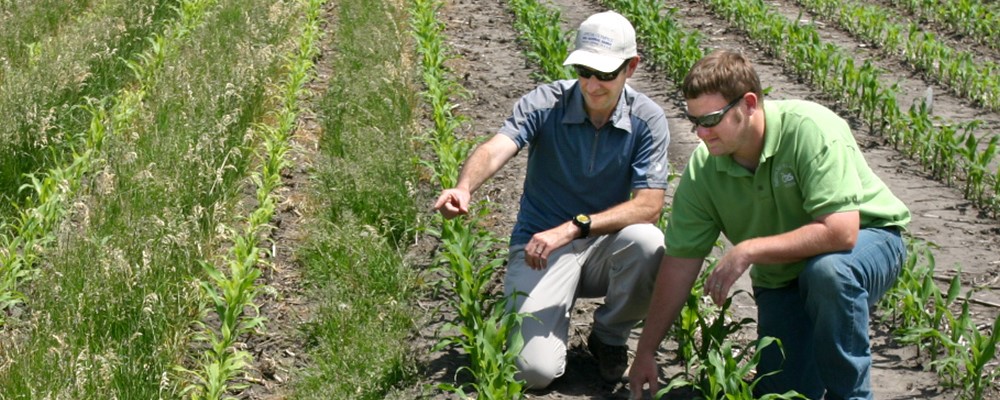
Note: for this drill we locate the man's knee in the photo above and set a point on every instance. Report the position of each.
(826, 273)
(539, 372)
(646, 248)
(542, 360)
(647, 237)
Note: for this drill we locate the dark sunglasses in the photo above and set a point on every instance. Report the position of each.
(586, 73)
(713, 118)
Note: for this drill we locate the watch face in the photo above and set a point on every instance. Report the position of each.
(583, 219)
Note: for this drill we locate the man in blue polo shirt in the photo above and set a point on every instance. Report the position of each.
(597, 171)
(784, 180)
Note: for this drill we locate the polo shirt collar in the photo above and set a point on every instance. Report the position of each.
(772, 131)
(577, 114)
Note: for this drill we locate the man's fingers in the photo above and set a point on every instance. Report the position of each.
(636, 391)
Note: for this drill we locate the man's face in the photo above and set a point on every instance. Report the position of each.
(602, 95)
(718, 122)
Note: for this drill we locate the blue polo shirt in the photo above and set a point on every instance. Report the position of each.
(575, 168)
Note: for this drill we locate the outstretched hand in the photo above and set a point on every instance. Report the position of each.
(453, 202)
(642, 373)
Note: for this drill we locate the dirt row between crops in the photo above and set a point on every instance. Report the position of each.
(279, 351)
(953, 38)
(491, 66)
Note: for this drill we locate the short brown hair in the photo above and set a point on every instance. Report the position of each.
(725, 72)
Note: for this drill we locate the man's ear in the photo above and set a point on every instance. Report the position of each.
(752, 102)
(633, 64)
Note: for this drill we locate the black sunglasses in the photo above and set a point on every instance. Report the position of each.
(713, 118)
(586, 73)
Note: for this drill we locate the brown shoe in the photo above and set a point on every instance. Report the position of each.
(611, 360)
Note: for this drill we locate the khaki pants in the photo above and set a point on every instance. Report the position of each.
(621, 267)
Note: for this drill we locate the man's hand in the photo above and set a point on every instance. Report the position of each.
(730, 268)
(536, 252)
(673, 285)
(643, 372)
(453, 202)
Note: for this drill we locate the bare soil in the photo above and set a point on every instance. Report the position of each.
(492, 68)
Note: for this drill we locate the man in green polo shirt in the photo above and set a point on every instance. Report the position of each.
(819, 232)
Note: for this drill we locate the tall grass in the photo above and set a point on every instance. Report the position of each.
(365, 212)
(110, 310)
(24, 23)
(40, 93)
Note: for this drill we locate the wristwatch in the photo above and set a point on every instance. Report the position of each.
(582, 221)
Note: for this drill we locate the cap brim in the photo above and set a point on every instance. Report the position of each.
(594, 61)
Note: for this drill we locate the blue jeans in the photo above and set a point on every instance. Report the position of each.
(822, 319)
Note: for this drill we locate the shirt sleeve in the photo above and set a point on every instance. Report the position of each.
(524, 121)
(830, 178)
(692, 228)
(650, 167)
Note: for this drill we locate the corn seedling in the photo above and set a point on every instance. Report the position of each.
(973, 17)
(668, 46)
(958, 69)
(977, 165)
(727, 373)
(232, 293)
(485, 329)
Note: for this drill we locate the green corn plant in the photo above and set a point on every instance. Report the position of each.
(232, 293)
(977, 164)
(725, 373)
(924, 333)
(51, 191)
(548, 45)
(982, 351)
(485, 323)
(701, 332)
(685, 329)
(965, 353)
(484, 329)
(229, 296)
(943, 149)
(667, 45)
(493, 342)
(905, 303)
(971, 17)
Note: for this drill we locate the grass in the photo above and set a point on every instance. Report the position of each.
(23, 23)
(111, 310)
(83, 57)
(366, 212)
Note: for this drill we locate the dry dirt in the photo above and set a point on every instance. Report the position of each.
(492, 67)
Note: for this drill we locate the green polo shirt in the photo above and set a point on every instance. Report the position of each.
(810, 166)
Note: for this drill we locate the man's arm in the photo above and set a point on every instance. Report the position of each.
(643, 207)
(485, 161)
(673, 286)
(829, 233)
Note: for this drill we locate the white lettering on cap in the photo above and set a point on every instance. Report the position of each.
(595, 39)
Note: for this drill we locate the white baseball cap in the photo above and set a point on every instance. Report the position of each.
(603, 42)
